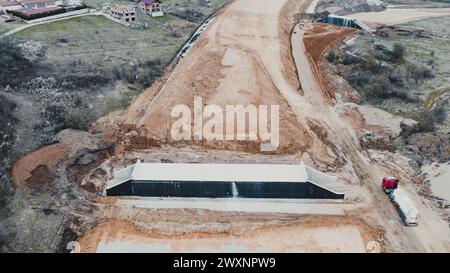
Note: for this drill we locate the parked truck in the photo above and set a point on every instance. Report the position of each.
(405, 207)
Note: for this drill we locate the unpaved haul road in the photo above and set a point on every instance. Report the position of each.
(399, 16)
(244, 57)
(400, 238)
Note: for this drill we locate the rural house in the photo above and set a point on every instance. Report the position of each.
(124, 13)
(151, 7)
(39, 8)
(9, 5)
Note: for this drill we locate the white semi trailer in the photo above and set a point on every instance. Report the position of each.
(408, 212)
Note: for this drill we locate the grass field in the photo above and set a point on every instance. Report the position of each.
(89, 66)
(432, 52)
(102, 42)
(105, 44)
(4, 27)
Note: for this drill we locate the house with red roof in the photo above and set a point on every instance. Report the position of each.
(151, 7)
(34, 9)
(47, 11)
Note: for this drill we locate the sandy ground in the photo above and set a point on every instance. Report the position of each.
(230, 65)
(49, 156)
(399, 16)
(294, 233)
(242, 59)
(312, 7)
(243, 205)
(378, 117)
(439, 176)
(322, 239)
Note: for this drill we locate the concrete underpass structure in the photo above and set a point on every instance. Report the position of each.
(345, 22)
(223, 181)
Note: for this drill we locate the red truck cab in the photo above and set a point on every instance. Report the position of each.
(389, 184)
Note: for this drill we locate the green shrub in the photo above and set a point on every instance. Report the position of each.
(398, 52)
(349, 60)
(331, 56)
(7, 130)
(191, 15)
(427, 120)
(14, 66)
(75, 119)
(419, 72)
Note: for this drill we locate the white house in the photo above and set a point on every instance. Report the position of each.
(151, 7)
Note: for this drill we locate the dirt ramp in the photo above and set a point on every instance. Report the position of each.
(318, 39)
(236, 61)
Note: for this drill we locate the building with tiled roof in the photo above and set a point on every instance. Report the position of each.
(151, 7)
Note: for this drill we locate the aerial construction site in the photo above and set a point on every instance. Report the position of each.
(358, 159)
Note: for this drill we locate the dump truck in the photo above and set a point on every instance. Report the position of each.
(405, 207)
(389, 184)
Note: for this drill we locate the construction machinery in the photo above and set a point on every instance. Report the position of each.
(389, 184)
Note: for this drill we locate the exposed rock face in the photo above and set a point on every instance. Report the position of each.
(86, 160)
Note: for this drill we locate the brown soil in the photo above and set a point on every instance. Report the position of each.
(77, 153)
(22, 171)
(291, 16)
(242, 59)
(214, 61)
(318, 39)
(249, 229)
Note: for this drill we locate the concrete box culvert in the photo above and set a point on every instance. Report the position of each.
(222, 181)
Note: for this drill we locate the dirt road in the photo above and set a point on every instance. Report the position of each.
(245, 57)
(399, 16)
(237, 61)
(417, 239)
